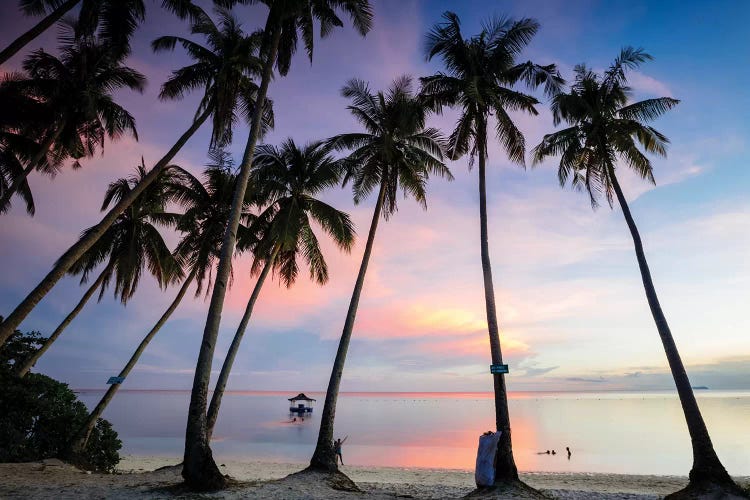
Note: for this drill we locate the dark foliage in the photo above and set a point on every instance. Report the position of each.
(40, 415)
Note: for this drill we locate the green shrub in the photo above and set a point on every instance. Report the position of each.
(41, 415)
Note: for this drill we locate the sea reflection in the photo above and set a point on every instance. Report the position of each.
(639, 433)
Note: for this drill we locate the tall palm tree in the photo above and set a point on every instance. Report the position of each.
(77, 88)
(394, 150)
(482, 72)
(285, 19)
(287, 179)
(206, 212)
(224, 69)
(129, 246)
(606, 128)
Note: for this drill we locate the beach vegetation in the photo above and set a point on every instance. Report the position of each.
(39, 413)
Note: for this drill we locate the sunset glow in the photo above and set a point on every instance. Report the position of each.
(571, 307)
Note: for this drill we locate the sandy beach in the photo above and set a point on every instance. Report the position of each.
(151, 477)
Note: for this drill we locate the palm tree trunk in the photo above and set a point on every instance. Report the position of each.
(505, 466)
(226, 368)
(75, 252)
(199, 469)
(79, 444)
(36, 30)
(34, 357)
(324, 456)
(31, 165)
(706, 464)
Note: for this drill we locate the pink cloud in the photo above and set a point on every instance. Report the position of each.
(477, 346)
(649, 85)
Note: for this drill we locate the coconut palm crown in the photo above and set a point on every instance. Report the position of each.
(205, 216)
(77, 89)
(604, 126)
(133, 243)
(396, 149)
(287, 179)
(224, 66)
(481, 73)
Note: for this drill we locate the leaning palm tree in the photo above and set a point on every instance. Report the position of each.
(77, 88)
(605, 128)
(52, 10)
(116, 20)
(206, 212)
(131, 245)
(287, 179)
(285, 19)
(481, 75)
(224, 68)
(394, 150)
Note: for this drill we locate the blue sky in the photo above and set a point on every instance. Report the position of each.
(572, 311)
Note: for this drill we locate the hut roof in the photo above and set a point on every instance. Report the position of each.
(301, 397)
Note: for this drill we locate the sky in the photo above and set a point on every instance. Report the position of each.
(572, 312)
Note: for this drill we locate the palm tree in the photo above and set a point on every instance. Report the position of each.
(224, 70)
(481, 75)
(287, 179)
(285, 19)
(395, 150)
(206, 213)
(11, 167)
(21, 114)
(77, 88)
(129, 246)
(116, 20)
(605, 126)
(53, 10)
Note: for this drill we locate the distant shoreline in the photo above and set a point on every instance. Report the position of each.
(467, 394)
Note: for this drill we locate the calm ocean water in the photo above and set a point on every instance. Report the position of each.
(630, 433)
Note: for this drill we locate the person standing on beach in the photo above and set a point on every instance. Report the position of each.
(337, 448)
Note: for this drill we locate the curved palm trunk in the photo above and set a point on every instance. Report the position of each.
(324, 457)
(29, 363)
(505, 466)
(226, 368)
(75, 252)
(706, 464)
(79, 443)
(36, 30)
(199, 469)
(31, 165)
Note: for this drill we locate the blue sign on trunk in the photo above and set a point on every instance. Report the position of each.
(116, 380)
(495, 369)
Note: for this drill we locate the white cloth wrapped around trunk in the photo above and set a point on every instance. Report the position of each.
(485, 471)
